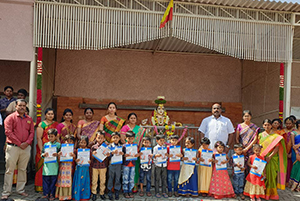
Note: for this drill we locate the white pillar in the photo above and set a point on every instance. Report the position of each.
(32, 85)
(288, 73)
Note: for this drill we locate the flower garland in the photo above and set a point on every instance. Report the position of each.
(170, 131)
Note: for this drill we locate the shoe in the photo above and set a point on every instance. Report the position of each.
(170, 194)
(102, 197)
(157, 195)
(176, 194)
(94, 197)
(110, 196)
(117, 195)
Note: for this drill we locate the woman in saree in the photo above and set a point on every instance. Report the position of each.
(42, 138)
(66, 127)
(287, 135)
(88, 127)
(273, 149)
(294, 182)
(139, 134)
(247, 134)
(111, 122)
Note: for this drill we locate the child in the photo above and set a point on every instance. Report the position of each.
(50, 170)
(98, 168)
(173, 168)
(81, 182)
(188, 178)
(220, 185)
(145, 170)
(204, 172)
(114, 170)
(238, 177)
(160, 168)
(255, 185)
(128, 168)
(64, 180)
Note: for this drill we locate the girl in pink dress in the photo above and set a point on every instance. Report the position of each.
(220, 186)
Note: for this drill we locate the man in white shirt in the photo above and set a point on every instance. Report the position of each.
(217, 128)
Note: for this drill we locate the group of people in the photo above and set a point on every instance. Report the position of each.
(185, 172)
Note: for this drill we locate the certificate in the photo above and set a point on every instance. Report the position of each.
(206, 155)
(174, 150)
(239, 159)
(66, 149)
(117, 158)
(101, 152)
(145, 156)
(260, 164)
(131, 149)
(221, 158)
(163, 158)
(50, 149)
(190, 154)
(84, 156)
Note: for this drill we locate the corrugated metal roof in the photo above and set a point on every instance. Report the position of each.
(253, 4)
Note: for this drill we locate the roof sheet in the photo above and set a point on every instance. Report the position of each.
(279, 5)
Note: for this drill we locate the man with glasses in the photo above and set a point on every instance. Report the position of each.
(217, 127)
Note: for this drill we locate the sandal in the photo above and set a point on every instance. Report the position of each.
(165, 195)
(130, 195)
(24, 194)
(157, 195)
(141, 194)
(4, 197)
(149, 194)
(126, 195)
(242, 196)
(51, 197)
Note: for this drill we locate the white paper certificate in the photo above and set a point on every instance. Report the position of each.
(84, 156)
(131, 149)
(221, 158)
(174, 150)
(206, 155)
(101, 152)
(66, 149)
(190, 154)
(239, 159)
(260, 164)
(145, 156)
(116, 158)
(163, 158)
(50, 149)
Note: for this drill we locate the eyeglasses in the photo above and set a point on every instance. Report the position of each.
(216, 108)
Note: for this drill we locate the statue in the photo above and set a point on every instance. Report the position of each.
(159, 115)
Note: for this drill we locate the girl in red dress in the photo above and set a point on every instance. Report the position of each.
(255, 186)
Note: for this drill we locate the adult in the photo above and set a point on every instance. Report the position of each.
(4, 102)
(21, 94)
(287, 135)
(88, 127)
(139, 134)
(273, 149)
(42, 138)
(66, 127)
(277, 127)
(111, 122)
(247, 134)
(296, 141)
(294, 182)
(19, 129)
(217, 127)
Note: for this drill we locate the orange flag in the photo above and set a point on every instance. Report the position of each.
(167, 15)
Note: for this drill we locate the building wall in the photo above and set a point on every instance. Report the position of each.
(15, 74)
(295, 85)
(16, 32)
(141, 75)
(260, 89)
